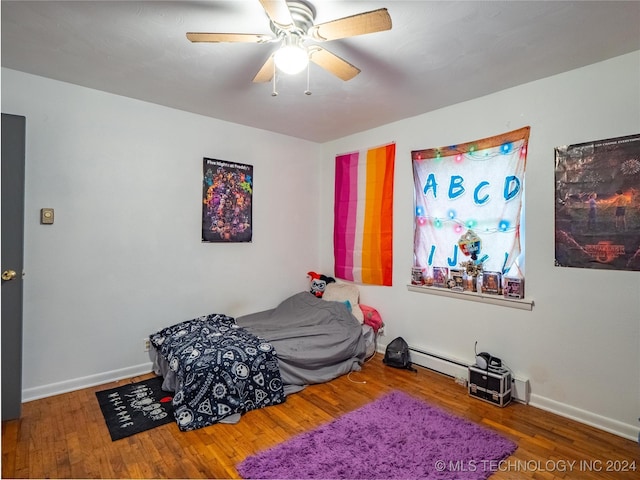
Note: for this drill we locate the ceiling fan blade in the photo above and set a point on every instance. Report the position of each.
(332, 63)
(360, 24)
(228, 37)
(266, 72)
(278, 12)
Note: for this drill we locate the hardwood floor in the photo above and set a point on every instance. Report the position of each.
(65, 436)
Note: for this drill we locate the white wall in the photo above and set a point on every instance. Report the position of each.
(124, 257)
(580, 346)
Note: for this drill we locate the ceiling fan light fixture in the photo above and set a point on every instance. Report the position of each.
(292, 23)
(292, 57)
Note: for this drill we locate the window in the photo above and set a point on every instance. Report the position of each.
(468, 208)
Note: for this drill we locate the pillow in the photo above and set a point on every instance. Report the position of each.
(345, 292)
(372, 317)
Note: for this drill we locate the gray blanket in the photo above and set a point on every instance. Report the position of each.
(315, 340)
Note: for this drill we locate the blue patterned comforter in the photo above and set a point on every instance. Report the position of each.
(221, 370)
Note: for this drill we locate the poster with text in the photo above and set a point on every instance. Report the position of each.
(597, 207)
(227, 190)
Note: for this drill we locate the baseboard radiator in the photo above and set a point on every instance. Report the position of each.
(459, 371)
(447, 366)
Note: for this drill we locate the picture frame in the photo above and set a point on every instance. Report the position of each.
(513, 288)
(227, 201)
(440, 276)
(457, 277)
(416, 276)
(597, 206)
(492, 283)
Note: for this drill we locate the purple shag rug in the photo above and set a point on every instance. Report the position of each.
(396, 436)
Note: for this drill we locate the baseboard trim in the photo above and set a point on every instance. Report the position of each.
(36, 393)
(600, 422)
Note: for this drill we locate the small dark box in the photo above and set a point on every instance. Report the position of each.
(492, 385)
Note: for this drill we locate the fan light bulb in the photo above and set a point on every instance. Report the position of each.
(291, 59)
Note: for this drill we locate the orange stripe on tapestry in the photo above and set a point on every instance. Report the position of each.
(367, 256)
(371, 248)
(386, 213)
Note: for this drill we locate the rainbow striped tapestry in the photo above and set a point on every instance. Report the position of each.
(363, 216)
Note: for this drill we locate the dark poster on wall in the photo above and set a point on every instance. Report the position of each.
(597, 208)
(227, 190)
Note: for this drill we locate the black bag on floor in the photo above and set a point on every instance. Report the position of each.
(397, 355)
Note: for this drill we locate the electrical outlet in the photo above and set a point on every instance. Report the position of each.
(520, 390)
(147, 344)
(461, 381)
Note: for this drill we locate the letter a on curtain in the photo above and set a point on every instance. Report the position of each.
(363, 222)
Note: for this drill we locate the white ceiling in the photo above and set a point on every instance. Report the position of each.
(438, 53)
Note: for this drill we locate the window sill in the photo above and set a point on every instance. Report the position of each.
(474, 297)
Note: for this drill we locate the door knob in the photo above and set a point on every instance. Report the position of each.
(8, 275)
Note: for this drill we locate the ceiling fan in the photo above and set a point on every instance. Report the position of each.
(291, 22)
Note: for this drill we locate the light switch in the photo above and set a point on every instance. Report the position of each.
(46, 216)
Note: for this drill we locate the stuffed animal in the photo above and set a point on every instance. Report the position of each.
(319, 283)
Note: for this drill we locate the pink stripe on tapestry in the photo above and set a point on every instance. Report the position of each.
(345, 209)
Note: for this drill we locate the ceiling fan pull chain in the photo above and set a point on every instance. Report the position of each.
(307, 91)
(274, 93)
